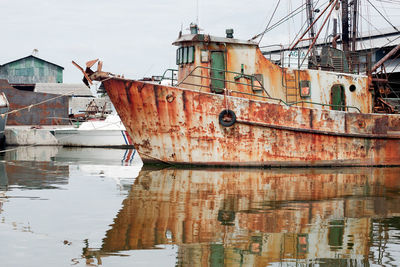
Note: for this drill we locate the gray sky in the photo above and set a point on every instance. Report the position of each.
(134, 37)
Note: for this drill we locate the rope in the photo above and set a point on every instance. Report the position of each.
(226, 95)
(269, 22)
(34, 105)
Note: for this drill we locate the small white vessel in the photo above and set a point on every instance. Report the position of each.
(110, 132)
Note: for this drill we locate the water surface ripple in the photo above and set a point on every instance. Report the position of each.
(100, 207)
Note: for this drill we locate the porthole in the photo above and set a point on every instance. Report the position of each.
(352, 88)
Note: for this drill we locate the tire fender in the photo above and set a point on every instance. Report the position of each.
(227, 118)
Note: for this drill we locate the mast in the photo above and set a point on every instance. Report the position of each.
(345, 25)
(355, 25)
(310, 17)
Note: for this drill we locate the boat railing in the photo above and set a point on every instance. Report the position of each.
(171, 78)
(252, 78)
(331, 59)
(255, 83)
(346, 108)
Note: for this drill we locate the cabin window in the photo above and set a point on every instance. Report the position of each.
(305, 89)
(181, 55)
(204, 56)
(191, 54)
(352, 88)
(185, 55)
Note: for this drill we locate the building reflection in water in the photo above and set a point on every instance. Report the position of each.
(257, 217)
(32, 168)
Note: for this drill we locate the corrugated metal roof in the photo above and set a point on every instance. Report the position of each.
(35, 58)
(63, 88)
(392, 65)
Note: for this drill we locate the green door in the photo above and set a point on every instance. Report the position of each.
(335, 234)
(337, 97)
(217, 71)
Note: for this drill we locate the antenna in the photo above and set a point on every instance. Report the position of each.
(197, 12)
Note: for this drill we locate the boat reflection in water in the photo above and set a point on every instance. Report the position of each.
(55, 164)
(255, 218)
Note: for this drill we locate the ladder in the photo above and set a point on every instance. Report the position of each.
(291, 86)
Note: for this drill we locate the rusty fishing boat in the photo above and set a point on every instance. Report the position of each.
(228, 105)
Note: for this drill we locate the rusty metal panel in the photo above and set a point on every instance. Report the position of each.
(53, 112)
(275, 78)
(181, 126)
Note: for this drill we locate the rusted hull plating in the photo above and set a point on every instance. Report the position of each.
(178, 125)
(51, 112)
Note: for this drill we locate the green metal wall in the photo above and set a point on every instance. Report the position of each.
(31, 70)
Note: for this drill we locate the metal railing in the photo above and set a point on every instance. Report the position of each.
(298, 102)
(252, 78)
(358, 62)
(172, 79)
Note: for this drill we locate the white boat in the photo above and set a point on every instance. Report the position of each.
(110, 132)
(4, 106)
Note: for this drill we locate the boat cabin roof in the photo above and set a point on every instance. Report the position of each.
(187, 38)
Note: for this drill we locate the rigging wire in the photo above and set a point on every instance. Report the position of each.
(394, 27)
(299, 32)
(289, 10)
(327, 31)
(396, 57)
(391, 41)
(384, 9)
(295, 12)
(359, 27)
(314, 23)
(269, 22)
(284, 19)
(279, 22)
(389, 1)
(370, 24)
(322, 26)
(303, 24)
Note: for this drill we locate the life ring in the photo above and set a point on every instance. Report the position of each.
(227, 118)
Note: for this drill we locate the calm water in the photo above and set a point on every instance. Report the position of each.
(89, 207)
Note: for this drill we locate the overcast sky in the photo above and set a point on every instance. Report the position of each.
(134, 37)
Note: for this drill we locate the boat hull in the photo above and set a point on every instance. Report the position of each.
(4, 107)
(3, 122)
(93, 138)
(181, 126)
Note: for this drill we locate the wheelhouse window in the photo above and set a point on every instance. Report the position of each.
(185, 55)
(191, 54)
